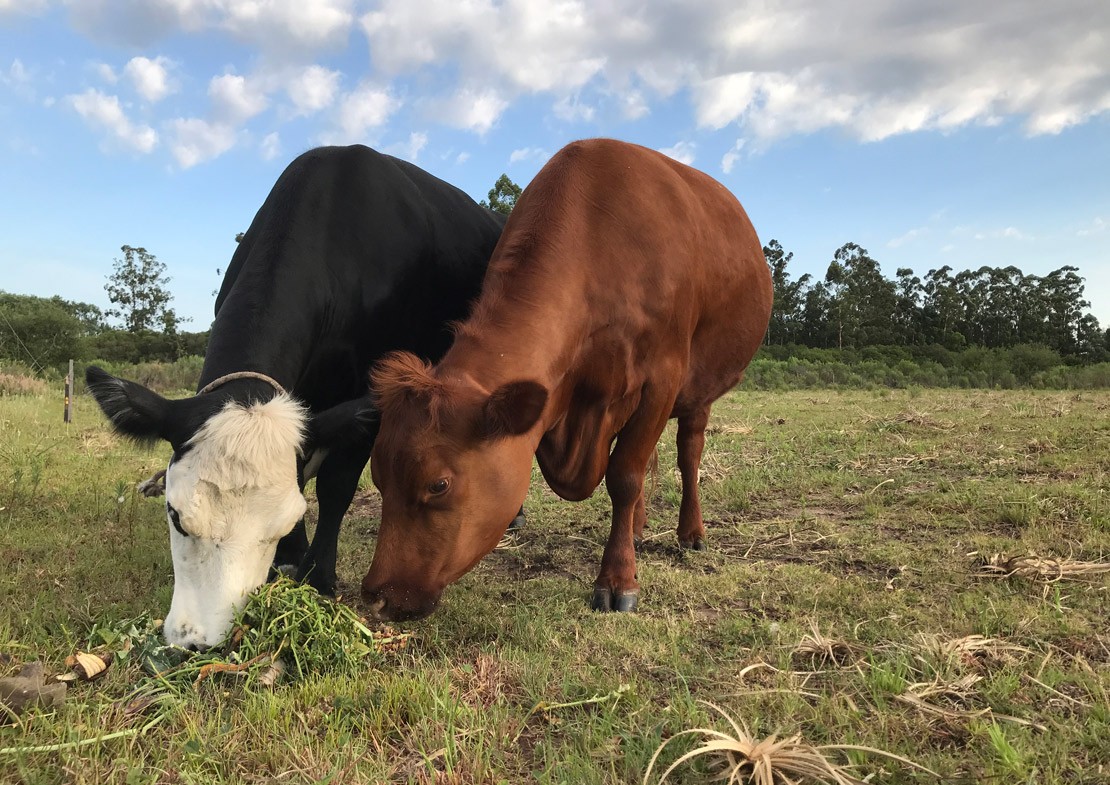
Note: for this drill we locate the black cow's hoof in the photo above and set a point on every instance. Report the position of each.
(517, 522)
(326, 586)
(637, 543)
(317, 578)
(621, 601)
(693, 545)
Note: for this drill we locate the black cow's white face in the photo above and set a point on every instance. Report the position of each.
(230, 496)
(231, 493)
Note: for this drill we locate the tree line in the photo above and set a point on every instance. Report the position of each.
(45, 333)
(988, 326)
(856, 306)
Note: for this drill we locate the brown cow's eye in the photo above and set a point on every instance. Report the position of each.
(440, 486)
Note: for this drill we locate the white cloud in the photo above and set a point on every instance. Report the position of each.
(18, 77)
(683, 152)
(462, 157)
(909, 236)
(367, 106)
(196, 141)
(1009, 233)
(312, 89)
(284, 29)
(530, 46)
(1096, 226)
(105, 73)
(270, 146)
(572, 110)
(410, 150)
(729, 159)
(137, 22)
(527, 153)
(473, 110)
(29, 7)
(767, 69)
(150, 77)
(634, 105)
(288, 27)
(235, 99)
(104, 112)
(775, 68)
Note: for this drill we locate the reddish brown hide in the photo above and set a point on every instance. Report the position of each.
(627, 289)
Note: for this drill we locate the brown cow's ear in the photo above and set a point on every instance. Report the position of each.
(513, 408)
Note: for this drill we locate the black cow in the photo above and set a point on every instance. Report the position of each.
(354, 254)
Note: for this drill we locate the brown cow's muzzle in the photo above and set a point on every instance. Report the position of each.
(388, 602)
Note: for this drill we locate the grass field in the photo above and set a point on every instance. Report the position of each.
(849, 533)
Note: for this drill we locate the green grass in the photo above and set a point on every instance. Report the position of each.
(852, 513)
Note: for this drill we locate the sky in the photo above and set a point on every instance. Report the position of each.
(930, 133)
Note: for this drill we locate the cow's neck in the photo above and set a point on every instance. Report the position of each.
(522, 330)
(265, 347)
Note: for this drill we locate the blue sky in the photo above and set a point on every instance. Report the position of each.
(947, 133)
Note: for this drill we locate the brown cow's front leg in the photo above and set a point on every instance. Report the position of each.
(691, 442)
(616, 587)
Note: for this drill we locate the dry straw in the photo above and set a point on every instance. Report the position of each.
(974, 650)
(819, 650)
(1035, 568)
(742, 759)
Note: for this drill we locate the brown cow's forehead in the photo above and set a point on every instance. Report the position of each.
(416, 457)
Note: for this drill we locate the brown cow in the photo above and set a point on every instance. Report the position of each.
(627, 289)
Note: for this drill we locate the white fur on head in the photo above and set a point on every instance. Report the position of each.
(236, 494)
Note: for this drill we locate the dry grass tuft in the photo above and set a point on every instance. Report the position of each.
(950, 699)
(730, 429)
(977, 651)
(18, 384)
(1035, 568)
(819, 651)
(910, 417)
(741, 758)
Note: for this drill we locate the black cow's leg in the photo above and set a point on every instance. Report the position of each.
(336, 484)
(291, 548)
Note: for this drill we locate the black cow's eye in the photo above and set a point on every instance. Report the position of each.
(439, 487)
(175, 519)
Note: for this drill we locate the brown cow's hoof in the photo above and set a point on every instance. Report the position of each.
(621, 601)
(693, 545)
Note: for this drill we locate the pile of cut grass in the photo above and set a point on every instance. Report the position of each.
(285, 627)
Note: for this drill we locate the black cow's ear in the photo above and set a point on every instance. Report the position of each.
(345, 425)
(513, 408)
(133, 410)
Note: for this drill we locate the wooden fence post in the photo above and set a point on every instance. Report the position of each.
(68, 416)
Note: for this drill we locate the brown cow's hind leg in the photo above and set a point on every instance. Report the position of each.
(691, 442)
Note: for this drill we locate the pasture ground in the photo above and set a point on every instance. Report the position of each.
(836, 601)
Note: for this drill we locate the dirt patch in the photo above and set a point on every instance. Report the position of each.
(366, 504)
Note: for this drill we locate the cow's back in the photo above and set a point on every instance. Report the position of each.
(658, 261)
(353, 254)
